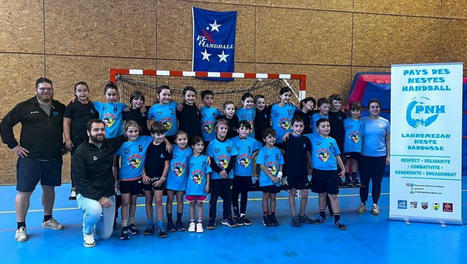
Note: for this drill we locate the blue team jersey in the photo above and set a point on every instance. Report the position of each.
(133, 155)
(374, 136)
(272, 159)
(199, 169)
(314, 118)
(221, 152)
(208, 119)
(353, 135)
(248, 115)
(166, 114)
(111, 114)
(281, 117)
(323, 152)
(245, 149)
(176, 178)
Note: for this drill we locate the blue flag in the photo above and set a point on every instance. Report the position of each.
(213, 40)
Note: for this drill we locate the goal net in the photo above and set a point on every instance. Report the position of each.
(226, 86)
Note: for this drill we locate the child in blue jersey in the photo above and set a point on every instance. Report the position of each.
(209, 115)
(325, 160)
(247, 112)
(247, 148)
(165, 111)
(111, 111)
(197, 185)
(222, 154)
(155, 173)
(133, 155)
(176, 180)
(282, 114)
(353, 143)
(323, 110)
(271, 161)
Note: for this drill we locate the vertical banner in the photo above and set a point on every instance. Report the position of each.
(426, 143)
(213, 40)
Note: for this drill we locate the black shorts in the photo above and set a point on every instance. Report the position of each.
(241, 184)
(150, 187)
(270, 189)
(352, 155)
(297, 182)
(29, 172)
(324, 181)
(132, 187)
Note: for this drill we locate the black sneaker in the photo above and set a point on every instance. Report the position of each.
(340, 225)
(124, 234)
(133, 230)
(239, 221)
(229, 222)
(356, 182)
(348, 181)
(273, 220)
(212, 224)
(180, 227)
(319, 220)
(162, 233)
(266, 220)
(149, 230)
(171, 226)
(305, 219)
(295, 221)
(340, 182)
(245, 220)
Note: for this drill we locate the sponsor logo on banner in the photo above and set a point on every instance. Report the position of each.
(402, 204)
(436, 206)
(424, 205)
(413, 205)
(448, 207)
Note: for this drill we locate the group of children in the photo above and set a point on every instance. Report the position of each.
(192, 151)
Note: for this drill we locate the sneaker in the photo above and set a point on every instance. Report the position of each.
(319, 220)
(180, 226)
(52, 223)
(171, 226)
(229, 222)
(124, 234)
(375, 209)
(348, 181)
(245, 220)
(239, 220)
(295, 221)
(88, 240)
(273, 220)
(21, 235)
(133, 230)
(356, 182)
(340, 182)
(305, 219)
(266, 221)
(212, 224)
(192, 227)
(340, 225)
(162, 233)
(361, 209)
(72, 194)
(149, 230)
(199, 227)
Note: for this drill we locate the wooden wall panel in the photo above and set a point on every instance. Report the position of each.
(314, 4)
(455, 8)
(403, 7)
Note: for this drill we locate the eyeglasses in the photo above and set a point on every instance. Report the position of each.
(43, 89)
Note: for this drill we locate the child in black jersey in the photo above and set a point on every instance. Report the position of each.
(336, 118)
(188, 113)
(232, 119)
(138, 112)
(262, 117)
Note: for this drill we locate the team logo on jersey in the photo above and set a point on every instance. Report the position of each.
(223, 161)
(323, 154)
(197, 176)
(354, 136)
(284, 123)
(178, 168)
(244, 160)
(134, 161)
(272, 167)
(208, 126)
(109, 119)
(140, 148)
(167, 123)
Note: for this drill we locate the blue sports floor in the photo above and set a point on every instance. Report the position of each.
(368, 238)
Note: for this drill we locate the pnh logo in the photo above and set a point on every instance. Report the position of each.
(402, 204)
(420, 113)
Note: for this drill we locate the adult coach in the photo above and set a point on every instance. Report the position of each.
(95, 184)
(375, 155)
(39, 152)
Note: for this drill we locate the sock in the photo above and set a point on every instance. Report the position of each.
(337, 218)
(265, 213)
(160, 224)
(179, 217)
(20, 224)
(192, 220)
(169, 217)
(131, 221)
(200, 220)
(47, 217)
(322, 214)
(124, 223)
(150, 221)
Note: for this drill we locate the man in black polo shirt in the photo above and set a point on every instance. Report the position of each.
(39, 152)
(91, 166)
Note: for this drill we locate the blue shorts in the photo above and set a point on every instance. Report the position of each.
(29, 172)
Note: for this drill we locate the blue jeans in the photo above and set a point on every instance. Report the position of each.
(97, 218)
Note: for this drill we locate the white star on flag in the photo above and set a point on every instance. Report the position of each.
(215, 26)
(205, 55)
(223, 57)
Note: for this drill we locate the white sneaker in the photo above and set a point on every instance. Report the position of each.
(375, 209)
(52, 223)
(72, 194)
(192, 227)
(21, 235)
(88, 240)
(199, 228)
